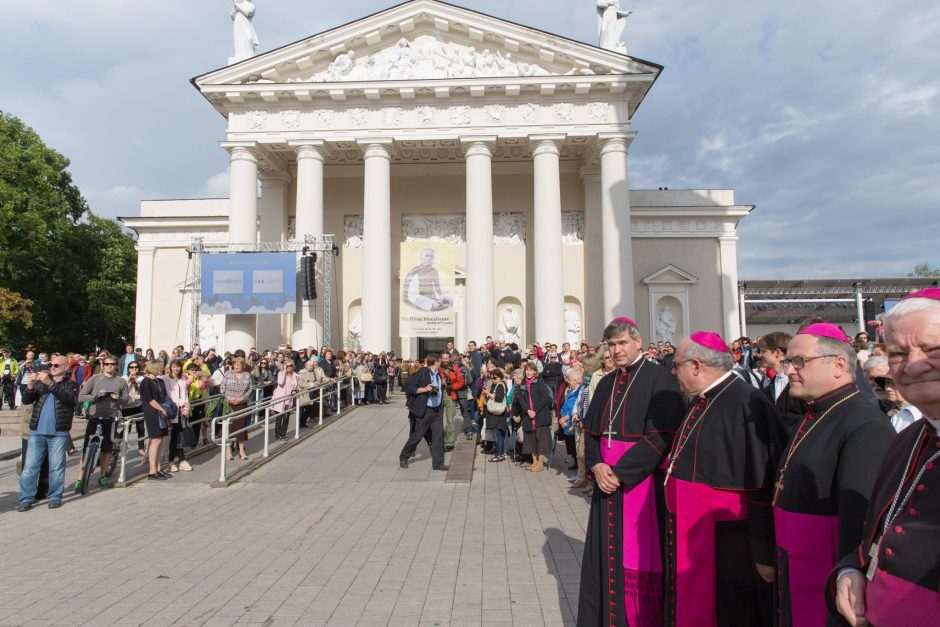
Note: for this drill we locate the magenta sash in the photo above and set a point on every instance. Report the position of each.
(894, 602)
(642, 560)
(697, 507)
(811, 543)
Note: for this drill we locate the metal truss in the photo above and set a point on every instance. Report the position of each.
(324, 244)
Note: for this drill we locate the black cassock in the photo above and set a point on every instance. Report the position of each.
(821, 498)
(904, 586)
(629, 425)
(720, 524)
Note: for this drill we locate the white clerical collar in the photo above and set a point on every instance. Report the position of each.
(715, 384)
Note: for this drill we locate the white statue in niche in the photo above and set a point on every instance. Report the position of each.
(246, 39)
(666, 325)
(610, 24)
(355, 330)
(572, 325)
(508, 327)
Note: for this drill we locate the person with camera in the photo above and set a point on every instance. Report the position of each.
(54, 397)
(453, 381)
(425, 402)
(106, 394)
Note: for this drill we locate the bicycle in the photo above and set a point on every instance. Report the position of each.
(91, 455)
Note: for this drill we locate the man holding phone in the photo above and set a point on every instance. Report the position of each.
(425, 401)
(106, 393)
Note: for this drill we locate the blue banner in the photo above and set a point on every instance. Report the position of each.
(249, 283)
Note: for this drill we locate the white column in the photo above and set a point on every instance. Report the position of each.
(480, 301)
(594, 321)
(728, 261)
(549, 287)
(376, 247)
(273, 228)
(308, 330)
(273, 207)
(242, 228)
(143, 316)
(616, 243)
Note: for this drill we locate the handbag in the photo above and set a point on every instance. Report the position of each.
(366, 377)
(171, 412)
(494, 407)
(189, 437)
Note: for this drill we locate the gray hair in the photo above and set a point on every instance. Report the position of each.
(909, 306)
(619, 327)
(832, 346)
(719, 360)
(878, 361)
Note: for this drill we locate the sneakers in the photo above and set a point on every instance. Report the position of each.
(185, 466)
(55, 504)
(174, 468)
(78, 485)
(103, 482)
(156, 477)
(25, 506)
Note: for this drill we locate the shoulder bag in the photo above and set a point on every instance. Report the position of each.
(494, 407)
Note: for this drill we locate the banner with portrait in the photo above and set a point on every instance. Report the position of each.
(427, 289)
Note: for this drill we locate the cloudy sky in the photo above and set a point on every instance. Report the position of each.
(823, 114)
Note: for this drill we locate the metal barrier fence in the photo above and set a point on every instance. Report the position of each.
(324, 391)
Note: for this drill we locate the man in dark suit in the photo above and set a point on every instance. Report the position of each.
(425, 402)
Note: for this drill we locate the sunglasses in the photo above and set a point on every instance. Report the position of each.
(882, 382)
(110, 363)
(133, 367)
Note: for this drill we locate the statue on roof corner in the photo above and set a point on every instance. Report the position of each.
(610, 24)
(246, 39)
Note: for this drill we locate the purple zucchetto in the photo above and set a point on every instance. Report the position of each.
(932, 293)
(826, 329)
(625, 320)
(710, 340)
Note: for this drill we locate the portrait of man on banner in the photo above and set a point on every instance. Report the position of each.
(427, 289)
(422, 287)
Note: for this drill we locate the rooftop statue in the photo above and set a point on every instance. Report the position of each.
(610, 24)
(246, 39)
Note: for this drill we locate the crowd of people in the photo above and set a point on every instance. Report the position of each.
(165, 395)
(785, 480)
(780, 481)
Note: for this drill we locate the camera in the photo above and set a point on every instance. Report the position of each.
(435, 389)
(46, 367)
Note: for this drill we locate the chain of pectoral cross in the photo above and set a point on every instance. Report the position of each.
(612, 414)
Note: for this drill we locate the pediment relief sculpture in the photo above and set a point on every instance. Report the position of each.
(427, 57)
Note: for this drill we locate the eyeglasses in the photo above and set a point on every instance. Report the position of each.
(678, 364)
(110, 363)
(799, 363)
(133, 367)
(54, 365)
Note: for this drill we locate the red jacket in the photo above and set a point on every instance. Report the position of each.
(455, 381)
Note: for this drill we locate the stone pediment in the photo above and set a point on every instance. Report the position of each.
(670, 274)
(426, 40)
(429, 57)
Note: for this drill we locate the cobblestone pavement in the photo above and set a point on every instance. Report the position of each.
(332, 532)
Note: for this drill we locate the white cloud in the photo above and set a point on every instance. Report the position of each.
(831, 117)
(217, 186)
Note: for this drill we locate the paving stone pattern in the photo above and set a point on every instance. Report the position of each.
(332, 532)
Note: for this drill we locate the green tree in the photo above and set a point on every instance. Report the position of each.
(923, 270)
(56, 257)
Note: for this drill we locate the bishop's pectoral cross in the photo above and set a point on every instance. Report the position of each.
(609, 434)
